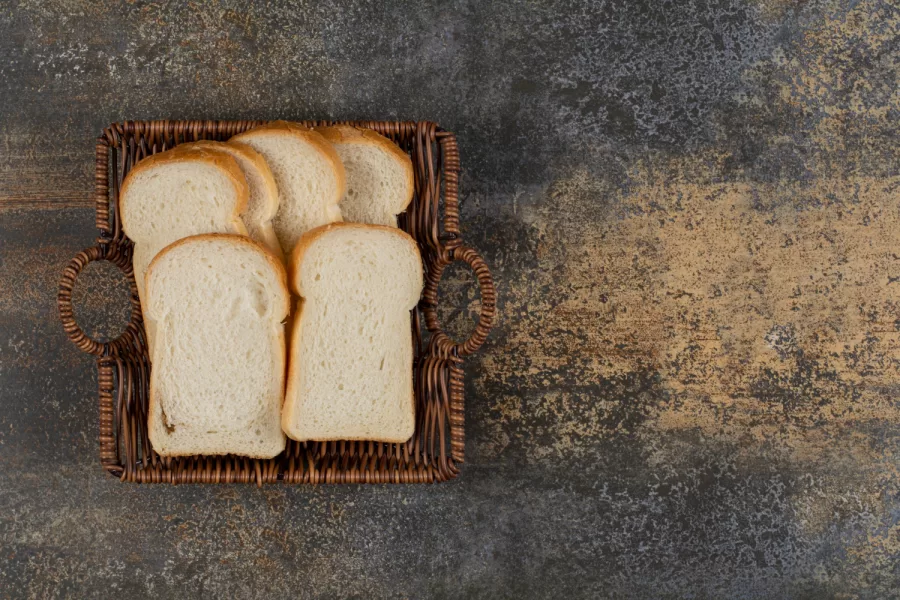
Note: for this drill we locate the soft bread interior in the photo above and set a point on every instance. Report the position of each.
(262, 203)
(175, 198)
(351, 350)
(379, 176)
(309, 176)
(217, 303)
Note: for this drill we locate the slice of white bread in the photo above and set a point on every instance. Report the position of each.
(175, 194)
(350, 374)
(379, 175)
(263, 201)
(309, 174)
(217, 383)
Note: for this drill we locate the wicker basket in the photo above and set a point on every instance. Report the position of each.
(437, 447)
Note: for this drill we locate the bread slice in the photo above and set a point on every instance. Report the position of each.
(309, 174)
(216, 387)
(263, 201)
(379, 175)
(350, 374)
(175, 194)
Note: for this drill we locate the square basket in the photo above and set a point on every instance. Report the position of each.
(436, 449)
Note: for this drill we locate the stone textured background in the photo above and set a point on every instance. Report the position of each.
(691, 211)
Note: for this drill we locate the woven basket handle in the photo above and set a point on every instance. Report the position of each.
(119, 257)
(488, 300)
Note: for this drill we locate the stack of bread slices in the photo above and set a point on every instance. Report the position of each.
(276, 289)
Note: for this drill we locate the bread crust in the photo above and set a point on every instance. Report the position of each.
(296, 262)
(313, 137)
(272, 259)
(347, 134)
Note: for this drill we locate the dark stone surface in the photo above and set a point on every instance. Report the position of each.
(691, 211)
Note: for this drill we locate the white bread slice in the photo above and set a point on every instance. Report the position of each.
(175, 194)
(217, 383)
(309, 174)
(263, 201)
(379, 175)
(350, 374)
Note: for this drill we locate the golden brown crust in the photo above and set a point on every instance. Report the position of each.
(248, 455)
(279, 267)
(287, 409)
(279, 125)
(313, 137)
(193, 152)
(347, 134)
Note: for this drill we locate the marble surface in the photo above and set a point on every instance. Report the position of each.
(691, 212)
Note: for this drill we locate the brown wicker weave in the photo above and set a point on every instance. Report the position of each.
(437, 447)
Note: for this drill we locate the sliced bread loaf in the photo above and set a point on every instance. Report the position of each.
(309, 175)
(263, 201)
(178, 193)
(217, 303)
(350, 374)
(379, 175)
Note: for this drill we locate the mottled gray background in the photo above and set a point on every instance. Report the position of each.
(691, 211)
